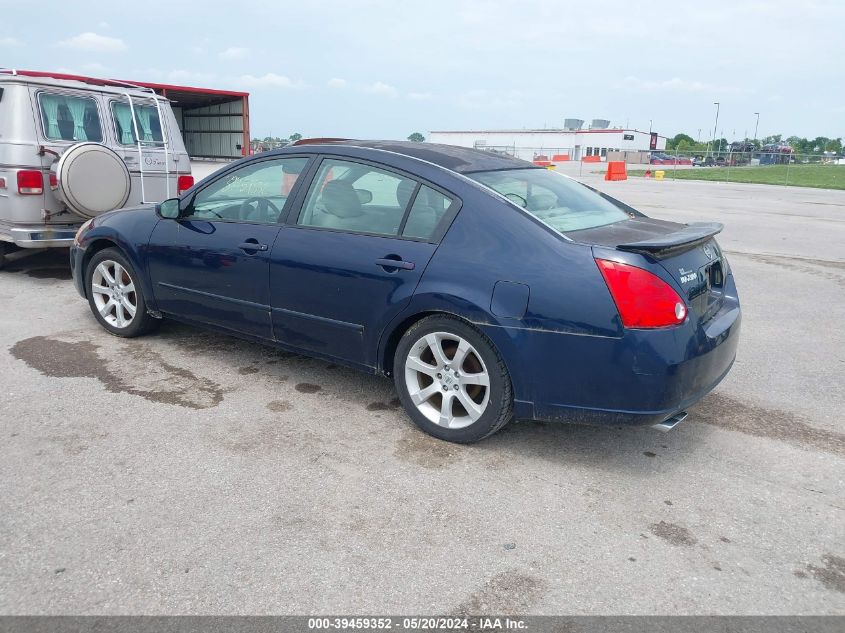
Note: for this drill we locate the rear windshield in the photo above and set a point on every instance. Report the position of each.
(560, 202)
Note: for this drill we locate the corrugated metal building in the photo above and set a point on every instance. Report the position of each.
(214, 123)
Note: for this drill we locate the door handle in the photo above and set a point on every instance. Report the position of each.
(388, 262)
(252, 246)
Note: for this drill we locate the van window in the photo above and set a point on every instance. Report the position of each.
(146, 119)
(67, 118)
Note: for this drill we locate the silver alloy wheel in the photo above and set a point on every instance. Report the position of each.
(114, 293)
(447, 380)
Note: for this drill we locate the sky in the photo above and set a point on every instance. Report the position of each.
(385, 69)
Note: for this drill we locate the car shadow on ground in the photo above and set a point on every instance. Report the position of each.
(611, 447)
(49, 263)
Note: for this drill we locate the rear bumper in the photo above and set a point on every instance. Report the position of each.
(643, 377)
(40, 237)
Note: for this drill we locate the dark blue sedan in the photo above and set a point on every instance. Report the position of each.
(487, 288)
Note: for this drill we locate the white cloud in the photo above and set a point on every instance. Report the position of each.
(93, 42)
(103, 25)
(93, 68)
(180, 76)
(381, 88)
(233, 53)
(487, 99)
(675, 84)
(176, 76)
(270, 80)
(419, 96)
(10, 42)
(334, 82)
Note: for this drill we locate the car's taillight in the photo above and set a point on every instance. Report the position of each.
(30, 182)
(184, 183)
(54, 181)
(2, 183)
(643, 299)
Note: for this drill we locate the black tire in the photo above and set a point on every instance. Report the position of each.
(2, 255)
(141, 322)
(499, 407)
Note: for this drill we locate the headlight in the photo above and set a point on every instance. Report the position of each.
(82, 230)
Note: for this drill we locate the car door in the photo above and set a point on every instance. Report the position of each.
(352, 257)
(211, 265)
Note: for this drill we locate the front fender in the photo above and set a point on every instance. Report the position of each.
(130, 232)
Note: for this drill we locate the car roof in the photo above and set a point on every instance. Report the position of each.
(462, 160)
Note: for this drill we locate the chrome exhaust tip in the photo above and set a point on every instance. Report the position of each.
(670, 423)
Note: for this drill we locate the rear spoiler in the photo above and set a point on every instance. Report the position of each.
(682, 240)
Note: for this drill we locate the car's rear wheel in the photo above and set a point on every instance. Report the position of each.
(452, 381)
(115, 295)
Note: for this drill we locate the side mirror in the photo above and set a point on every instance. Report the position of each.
(169, 209)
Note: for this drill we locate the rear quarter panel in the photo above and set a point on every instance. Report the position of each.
(491, 241)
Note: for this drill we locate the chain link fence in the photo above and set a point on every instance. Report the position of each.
(777, 165)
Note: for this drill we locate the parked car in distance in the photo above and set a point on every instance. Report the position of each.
(488, 288)
(659, 158)
(72, 149)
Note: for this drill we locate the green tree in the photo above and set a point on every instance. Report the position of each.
(296, 136)
(416, 137)
(675, 141)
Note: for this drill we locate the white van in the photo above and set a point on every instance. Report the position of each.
(72, 149)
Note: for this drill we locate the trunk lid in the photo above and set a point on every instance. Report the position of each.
(687, 252)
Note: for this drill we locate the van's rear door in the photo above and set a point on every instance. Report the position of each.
(156, 163)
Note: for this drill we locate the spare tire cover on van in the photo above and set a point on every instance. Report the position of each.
(92, 179)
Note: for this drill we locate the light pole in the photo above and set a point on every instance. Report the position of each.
(755, 128)
(716, 124)
(649, 126)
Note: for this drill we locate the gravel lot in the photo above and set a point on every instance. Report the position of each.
(187, 472)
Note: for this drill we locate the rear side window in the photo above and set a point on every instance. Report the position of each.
(69, 118)
(147, 123)
(428, 209)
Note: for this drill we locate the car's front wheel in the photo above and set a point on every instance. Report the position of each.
(452, 381)
(115, 295)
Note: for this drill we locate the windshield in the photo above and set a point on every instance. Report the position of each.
(560, 202)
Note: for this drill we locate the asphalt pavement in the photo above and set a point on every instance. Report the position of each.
(188, 472)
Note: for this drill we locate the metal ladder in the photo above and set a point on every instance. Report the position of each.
(140, 144)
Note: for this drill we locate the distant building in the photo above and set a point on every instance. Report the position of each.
(575, 144)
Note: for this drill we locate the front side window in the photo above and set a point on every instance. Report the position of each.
(253, 193)
(146, 119)
(562, 203)
(357, 198)
(69, 118)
